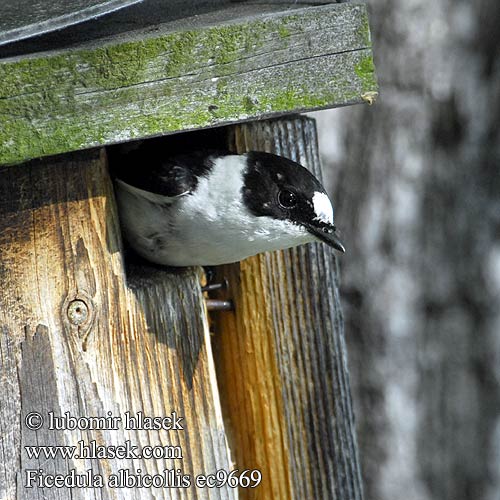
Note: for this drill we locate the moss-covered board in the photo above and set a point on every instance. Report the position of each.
(244, 62)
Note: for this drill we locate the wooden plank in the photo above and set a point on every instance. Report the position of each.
(141, 16)
(219, 68)
(75, 338)
(280, 357)
(30, 18)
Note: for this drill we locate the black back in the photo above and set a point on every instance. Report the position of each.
(162, 174)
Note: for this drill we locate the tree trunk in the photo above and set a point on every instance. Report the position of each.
(417, 188)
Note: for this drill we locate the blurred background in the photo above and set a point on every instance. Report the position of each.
(416, 181)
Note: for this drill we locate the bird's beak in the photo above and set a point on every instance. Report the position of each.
(326, 233)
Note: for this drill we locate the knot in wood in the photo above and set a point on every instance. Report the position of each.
(78, 312)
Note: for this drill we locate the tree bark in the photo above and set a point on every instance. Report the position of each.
(416, 182)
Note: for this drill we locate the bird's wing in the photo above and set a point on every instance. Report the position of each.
(165, 178)
(157, 198)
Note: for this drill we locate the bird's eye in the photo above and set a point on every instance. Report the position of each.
(287, 199)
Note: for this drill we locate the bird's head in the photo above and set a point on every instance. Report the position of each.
(282, 189)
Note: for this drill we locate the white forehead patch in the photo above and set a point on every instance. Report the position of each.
(322, 207)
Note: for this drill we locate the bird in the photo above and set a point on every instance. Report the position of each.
(210, 208)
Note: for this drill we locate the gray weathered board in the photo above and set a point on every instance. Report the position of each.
(26, 18)
(243, 62)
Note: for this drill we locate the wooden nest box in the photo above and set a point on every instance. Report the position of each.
(83, 333)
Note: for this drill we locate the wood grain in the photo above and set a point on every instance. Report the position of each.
(137, 347)
(242, 62)
(281, 359)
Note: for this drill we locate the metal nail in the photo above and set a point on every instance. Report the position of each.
(219, 305)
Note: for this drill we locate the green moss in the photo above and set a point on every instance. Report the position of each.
(181, 48)
(297, 99)
(364, 29)
(365, 70)
(283, 31)
(63, 135)
(248, 104)
(126, 63)
(227, 43)
(62, 102)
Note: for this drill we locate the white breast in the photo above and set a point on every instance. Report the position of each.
(208, 227)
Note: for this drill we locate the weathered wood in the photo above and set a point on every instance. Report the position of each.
(287, 2)
(280, 357)
(239, 63)
(140, 16)
(27, 18)
(74, 338)
(171, 313)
